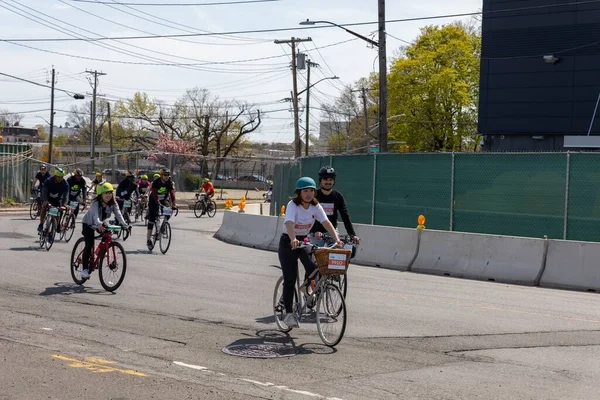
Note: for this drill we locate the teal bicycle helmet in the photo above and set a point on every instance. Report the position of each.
(305, 183)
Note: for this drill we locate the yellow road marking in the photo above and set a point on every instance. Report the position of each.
(97, 365)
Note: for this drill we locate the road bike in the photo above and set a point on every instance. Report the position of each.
(204, 206)
(320, 290)
(67, 222)
(162, 230)
(36, 203)
(109, 259)
(48, 232)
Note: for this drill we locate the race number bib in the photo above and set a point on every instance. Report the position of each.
(74, 204)
(53, 212)
(337, 261)
(167, 211)
(127, 203)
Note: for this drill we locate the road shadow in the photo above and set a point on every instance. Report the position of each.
(30, 248)
(277, 344)
(21, 219)
(275, 266)
(310, 317)
(68, 288)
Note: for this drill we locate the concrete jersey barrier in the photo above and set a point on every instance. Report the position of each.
(572, 265)
(518, 260)
(484, 257)
(258, 231)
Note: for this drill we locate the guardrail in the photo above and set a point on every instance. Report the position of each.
(508, 259)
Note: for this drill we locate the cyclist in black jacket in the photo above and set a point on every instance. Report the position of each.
(332, 202)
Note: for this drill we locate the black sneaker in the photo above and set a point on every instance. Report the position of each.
(150, 244)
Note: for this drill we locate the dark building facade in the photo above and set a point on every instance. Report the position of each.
(540, 73)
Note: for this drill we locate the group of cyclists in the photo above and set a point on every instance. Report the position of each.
(312, 211)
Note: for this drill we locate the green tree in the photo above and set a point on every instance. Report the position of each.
(434, 88)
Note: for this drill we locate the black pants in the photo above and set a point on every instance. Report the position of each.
(88, 235)
(153, 212)
(289, 266)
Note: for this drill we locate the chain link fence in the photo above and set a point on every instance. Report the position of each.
(15, 173)
(518, 194)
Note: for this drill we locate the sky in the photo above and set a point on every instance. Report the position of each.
(128, 69)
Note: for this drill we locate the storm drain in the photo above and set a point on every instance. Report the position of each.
(260, 350)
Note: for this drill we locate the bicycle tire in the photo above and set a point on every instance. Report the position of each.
(278, 308)
(165, 229)
(33, 210)
(50, 236)
(61, 224)
(198, 209)
(341, 311)
(212, 210)
(123, 267)
(75, 265)
(70, 228)
(42, 236)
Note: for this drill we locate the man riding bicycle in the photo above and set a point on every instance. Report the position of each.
(126, 188)
(41, 177)
(209, 192)
(162, 193)
(143, 184)
(332, 202)
(54, 193)
(77, 189)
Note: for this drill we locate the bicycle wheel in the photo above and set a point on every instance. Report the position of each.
(279, 308)
(70, 228)
(212, 209)
(112, 267)
(165, 237)
(62, 223)
(33, 210)
(331, 315)
(51, 233)
(342, 282)
(198, 209)
(42, 236)
(77, 261)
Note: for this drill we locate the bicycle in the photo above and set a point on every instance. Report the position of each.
(162, 232)
(204, 206)
(68, 221)
(324, 293)
(140, 207)
(105, 255)
(36, 203)
(127, 204)
(50, 223)
(348, 240)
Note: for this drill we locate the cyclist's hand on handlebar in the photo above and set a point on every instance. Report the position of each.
(101, 228)
(356, 239)
(295, 244)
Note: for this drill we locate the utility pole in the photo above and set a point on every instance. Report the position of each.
(93, 117)
(308, 65)
(110, 138)
(383, 148)
(293, 41)
(51, 119)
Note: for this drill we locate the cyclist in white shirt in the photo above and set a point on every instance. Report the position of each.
(300, 215)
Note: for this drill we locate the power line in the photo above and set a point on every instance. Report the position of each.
(298, 28)
(397, 38)
(111, 47)
(181, 4)
(37, 84)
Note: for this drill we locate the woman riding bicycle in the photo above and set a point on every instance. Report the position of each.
(300, 215)
(100, 209)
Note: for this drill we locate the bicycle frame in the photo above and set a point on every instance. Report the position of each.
(105, 241)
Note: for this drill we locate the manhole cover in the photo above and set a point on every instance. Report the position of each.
(260, 350)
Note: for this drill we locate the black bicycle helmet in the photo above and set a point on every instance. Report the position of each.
(327, 172)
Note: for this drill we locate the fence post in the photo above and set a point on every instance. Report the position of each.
(567, 181)
(374, 188)
(331, 161)
(452, 196)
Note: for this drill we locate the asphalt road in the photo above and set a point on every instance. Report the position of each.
(161, 335)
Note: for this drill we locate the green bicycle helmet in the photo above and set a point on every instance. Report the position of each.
(58, 171)
(104, 187)
(306, 182)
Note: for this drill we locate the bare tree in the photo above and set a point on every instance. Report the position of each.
(8, 118)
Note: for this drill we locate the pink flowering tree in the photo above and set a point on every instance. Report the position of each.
(173, 152)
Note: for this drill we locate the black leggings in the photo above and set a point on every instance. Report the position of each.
(88, 235)
(289, 266)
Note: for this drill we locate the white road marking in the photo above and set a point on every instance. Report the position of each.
(265, 384)
(199, 368)
(47, 329)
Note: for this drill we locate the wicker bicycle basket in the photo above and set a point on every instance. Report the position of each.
(332, 261)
